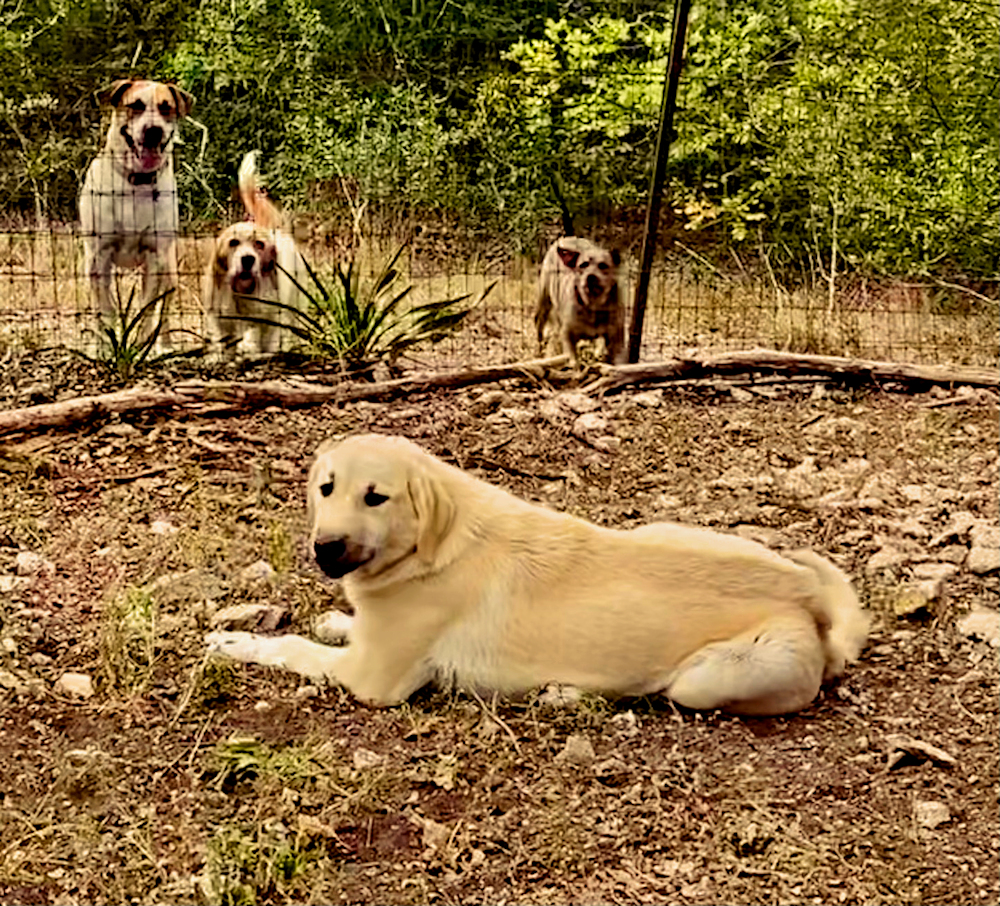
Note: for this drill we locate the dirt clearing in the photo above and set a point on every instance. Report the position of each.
(159, 777)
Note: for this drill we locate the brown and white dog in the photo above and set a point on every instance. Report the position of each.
(578, 296)
(128, 204)
(253, 264)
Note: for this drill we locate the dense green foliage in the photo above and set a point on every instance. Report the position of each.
(866, 125)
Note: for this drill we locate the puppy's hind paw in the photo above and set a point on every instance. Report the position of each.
(240, 646)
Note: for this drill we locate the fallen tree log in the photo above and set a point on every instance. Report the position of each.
(220, 397)
(768, 361)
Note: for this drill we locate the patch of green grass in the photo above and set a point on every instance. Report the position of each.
(127, 640)
(250, 865)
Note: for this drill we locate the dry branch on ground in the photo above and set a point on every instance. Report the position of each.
(221, 397)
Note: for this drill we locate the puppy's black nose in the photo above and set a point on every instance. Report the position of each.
(330, 556)
(152, 138)
(247, 262)
(593, 285)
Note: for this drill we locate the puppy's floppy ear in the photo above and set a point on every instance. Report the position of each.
(435, 511)
(315, 472)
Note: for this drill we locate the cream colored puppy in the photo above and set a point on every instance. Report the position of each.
(253, 277)
(453, 578)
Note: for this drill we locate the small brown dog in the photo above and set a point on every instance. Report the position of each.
(253, 264)
(578, 295)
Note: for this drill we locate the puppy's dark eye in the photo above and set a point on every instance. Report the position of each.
(165, 109)
(233, 242)
(258, 244)
(602, 266)
(326, 489)
(373, 498)
(137, 106)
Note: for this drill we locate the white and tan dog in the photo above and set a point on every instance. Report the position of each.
(453, 578)
(578, 297)
(253, 265)
(128, 204)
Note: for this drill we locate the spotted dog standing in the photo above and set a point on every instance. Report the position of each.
(128, 204)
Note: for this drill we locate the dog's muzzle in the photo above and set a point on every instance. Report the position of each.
(594, 286)
(337, 558)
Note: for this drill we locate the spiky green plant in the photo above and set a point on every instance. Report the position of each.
(360, 322)
(121, 347)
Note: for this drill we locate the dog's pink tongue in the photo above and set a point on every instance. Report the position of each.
(149, 159)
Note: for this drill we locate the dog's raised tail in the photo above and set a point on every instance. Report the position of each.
(847, 622)
(258, 206)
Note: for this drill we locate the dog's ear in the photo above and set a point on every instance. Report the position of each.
(182, 100)
(435, 513)
(568, 256)
(113, 94)
(315, 473)
(616, 256)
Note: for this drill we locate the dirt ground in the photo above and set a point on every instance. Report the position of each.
(183, 780)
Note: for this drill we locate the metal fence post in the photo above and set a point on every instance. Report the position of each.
(663, 137)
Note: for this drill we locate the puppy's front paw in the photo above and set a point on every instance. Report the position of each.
(240, 646)
(333, 628)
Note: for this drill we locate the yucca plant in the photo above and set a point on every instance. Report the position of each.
(122, 348)
(360, 322)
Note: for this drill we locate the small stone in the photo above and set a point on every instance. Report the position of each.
(910, 602)
(76, 685)
(307, 691)
(590, 423)
(366, 758)
(27, 563)
(740, 395)
(262, 706)
(162, 527)
(649, 399)
(885, 558)
(516, 414)
(249, 617)
(981, 623)
(556, 696)
(38, 659)
(982, 534)
(9, 681)
(934, 570)
(9, 583)
(578, 750)
(258, 571)
(983, 560)
(577, 402)
(931, 814)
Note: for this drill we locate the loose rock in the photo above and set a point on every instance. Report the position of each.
(578, 750)
(77, 685)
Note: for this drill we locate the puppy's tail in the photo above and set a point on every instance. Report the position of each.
(847, 624)
(258, 206)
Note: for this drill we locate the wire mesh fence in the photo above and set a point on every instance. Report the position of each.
(849, 212)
